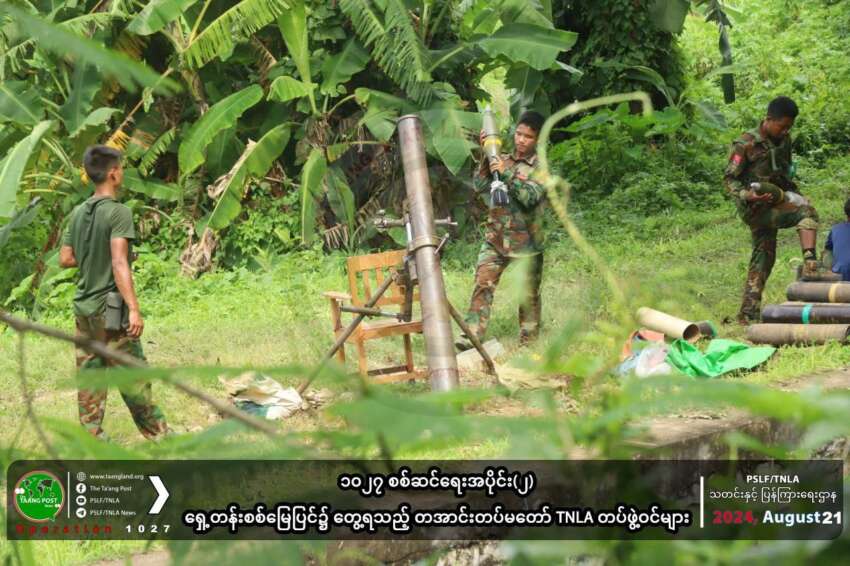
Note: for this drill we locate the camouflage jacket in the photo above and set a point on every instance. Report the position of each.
(755, 158)
(514, 229)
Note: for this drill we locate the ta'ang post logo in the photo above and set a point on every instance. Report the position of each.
(39, 496)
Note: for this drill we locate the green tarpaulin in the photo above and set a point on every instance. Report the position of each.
(721, 356)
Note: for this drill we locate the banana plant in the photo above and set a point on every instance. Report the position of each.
(24, 106)
(308, 85)
(407, 42)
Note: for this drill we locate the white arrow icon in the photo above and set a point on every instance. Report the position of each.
(162, 495)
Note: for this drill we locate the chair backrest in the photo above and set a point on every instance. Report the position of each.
(366, 273)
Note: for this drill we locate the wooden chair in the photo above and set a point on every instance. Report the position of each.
(366, 273)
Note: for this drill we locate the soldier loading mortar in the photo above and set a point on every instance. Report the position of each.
(512, 231)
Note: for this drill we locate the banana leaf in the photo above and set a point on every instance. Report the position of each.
(312, 176)
(20, 103)
(534, 45)
(339, 68)
(284, 89)
(255, 161)
(153, 188)
(13, 165)
(156, 15)
(220, 116)
(129, 73)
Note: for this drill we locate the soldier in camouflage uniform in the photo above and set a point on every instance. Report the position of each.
(758, 178)
(97, 240)
(512, 231)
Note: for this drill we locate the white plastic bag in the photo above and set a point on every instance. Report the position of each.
(651, 361)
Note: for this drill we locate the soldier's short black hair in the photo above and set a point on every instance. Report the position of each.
(98, 160)
(782, 107)
(847, 208)
(532, 119)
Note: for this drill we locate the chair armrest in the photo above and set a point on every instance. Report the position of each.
(337, 296)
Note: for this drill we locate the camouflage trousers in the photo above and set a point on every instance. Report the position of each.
(764, 222)
(491, 265)
(138, 397)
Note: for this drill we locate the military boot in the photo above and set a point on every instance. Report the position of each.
(822, 273)
(810, 268)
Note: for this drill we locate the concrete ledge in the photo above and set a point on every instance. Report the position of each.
(700, 438)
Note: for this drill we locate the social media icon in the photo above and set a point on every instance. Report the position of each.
(81, 512)
(81, 488)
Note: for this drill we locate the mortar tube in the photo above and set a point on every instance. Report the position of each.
(782, 334)
(807, 313)
(436, 320)
(670, 325)
(819, 292)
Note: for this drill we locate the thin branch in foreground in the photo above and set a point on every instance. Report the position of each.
(101, 349)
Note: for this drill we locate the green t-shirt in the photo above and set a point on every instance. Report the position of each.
(93, 224)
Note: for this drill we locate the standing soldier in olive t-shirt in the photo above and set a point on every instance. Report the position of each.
(97, 240)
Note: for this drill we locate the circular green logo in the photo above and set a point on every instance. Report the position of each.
(39, 496)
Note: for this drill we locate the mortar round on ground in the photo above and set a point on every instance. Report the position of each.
(819, 292)
(782, 334)
(807, 313)
(668, 324)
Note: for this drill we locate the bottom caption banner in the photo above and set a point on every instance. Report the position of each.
(335, 499)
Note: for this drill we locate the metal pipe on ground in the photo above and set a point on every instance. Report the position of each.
(476, 343)
(783, 334)
(819, 292)
(707, 329)
(668, 324)
(436, 320)
(807, 313)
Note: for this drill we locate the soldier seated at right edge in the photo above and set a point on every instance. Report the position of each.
(758, 178)
(836, 252)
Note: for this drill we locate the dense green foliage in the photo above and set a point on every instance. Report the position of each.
(797, 49)
(646, 193)
(615, 37)
(245, 103)
(250, 93)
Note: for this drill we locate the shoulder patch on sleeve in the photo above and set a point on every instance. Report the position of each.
(746, 140)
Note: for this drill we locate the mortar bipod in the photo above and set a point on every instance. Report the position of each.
(408, 274)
